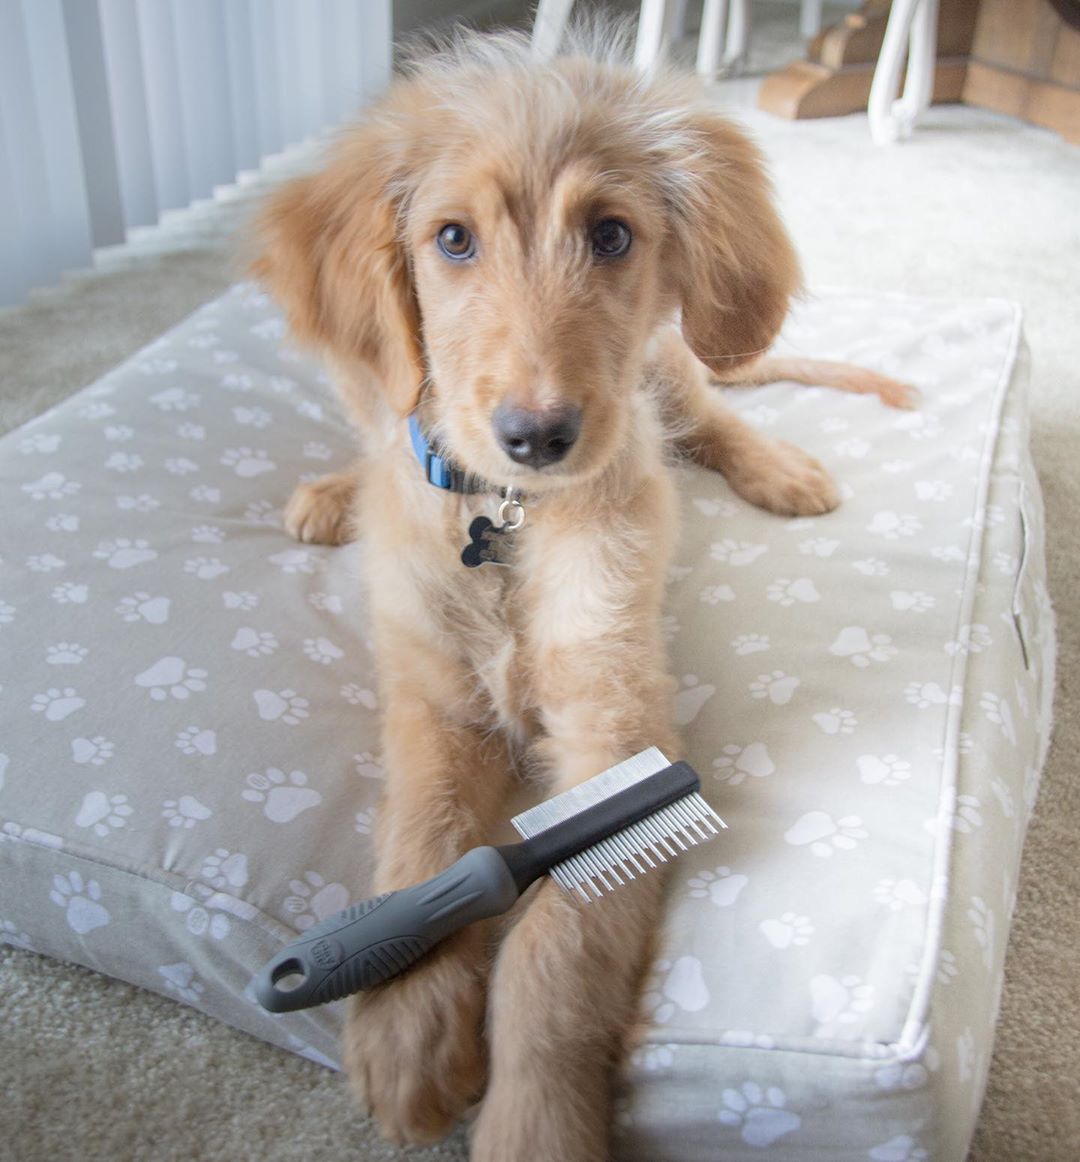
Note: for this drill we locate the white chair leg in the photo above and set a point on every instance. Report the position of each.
(711, 37)
(809, 18)
(548, 27)
(737, 45)
(678, 20)
(652, 34)
(913, 21)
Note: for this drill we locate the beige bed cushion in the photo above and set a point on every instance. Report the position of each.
(188, 724)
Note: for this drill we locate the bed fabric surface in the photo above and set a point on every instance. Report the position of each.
(188, 721)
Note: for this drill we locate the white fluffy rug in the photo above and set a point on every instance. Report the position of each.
(975, 204)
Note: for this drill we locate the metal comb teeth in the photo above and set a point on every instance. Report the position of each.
(633, 850)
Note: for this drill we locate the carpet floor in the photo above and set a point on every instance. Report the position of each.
(974, 205)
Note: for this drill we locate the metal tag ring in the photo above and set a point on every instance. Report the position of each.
(509, 525)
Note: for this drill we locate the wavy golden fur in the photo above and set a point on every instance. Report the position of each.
(557, 661)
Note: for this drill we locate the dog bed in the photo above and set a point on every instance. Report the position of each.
(189, 768)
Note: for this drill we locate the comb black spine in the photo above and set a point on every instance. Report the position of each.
(534, 857)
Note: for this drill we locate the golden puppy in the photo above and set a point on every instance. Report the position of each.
(501, 250)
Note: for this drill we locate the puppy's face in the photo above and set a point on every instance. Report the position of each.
(502, 237)
(537, 278)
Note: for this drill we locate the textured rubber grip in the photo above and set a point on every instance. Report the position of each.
(373, 941)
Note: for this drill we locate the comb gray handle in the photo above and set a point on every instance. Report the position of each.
(374, 941)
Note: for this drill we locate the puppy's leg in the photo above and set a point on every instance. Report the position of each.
(822, 373)
(772, 474)
(413, 1047)
(566, 981)
(320, 512)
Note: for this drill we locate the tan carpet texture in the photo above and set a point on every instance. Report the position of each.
(975, 204)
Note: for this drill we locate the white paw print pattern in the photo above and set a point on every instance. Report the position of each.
(819, 547)
(927, 694)
(261, 512)
(322, 650)
(313, 899)
(736, 762)
(224, 869)
(914, 601)
(982, 919)
(902, 1148)
(81, 901)
(206, 568)
(750, 643)
(838, 1000)
(367, 766)
(52, 486)
(65, 654)
(199, 920)
(364, 821)
(282, 797)
(40, 444)
(242, 600)
(999, 712)
(871, 567)
(207, 535)
(761, 1115)
(63, 522)
(721, 887)
(252, 417)
(786, 592)
(180, 979)
(326, 602)
(253, 642)
(124, 462)
(359, 695)
(248, 463)
(44, 563)
(788, 930)
(10, 934)
(297, 560)
(96, 751)
(777, 686)
(185, 811)
(123, 553)
(899, 894)
(103, 813)
(715, 594)
(824, 834)
(690, 698)
(883, 770)
(836, 721)
(193, 741)
(677, 986)
(972, 639)
(861, 648)
(7, 613)
(281, 706)
(57, 703)
(738, 553)
(171, 676)
(154, 610)
(892, 525)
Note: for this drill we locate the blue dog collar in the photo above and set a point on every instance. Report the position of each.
(438, 470)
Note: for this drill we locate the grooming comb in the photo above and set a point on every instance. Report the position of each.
(590, 839)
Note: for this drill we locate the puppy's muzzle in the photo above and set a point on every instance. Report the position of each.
(536, 438)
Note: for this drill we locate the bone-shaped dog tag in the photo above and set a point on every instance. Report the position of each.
(489, 544)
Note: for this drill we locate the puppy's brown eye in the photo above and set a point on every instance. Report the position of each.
(610, 238)
(456, 242)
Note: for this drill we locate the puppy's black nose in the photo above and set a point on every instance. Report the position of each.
(536, 438)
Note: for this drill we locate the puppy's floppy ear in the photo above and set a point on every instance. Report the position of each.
(736, 268)
(331, 255)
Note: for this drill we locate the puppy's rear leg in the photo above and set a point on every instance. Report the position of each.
(319, 512)
(769, 473)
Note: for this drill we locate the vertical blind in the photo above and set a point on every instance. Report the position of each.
(112, 111)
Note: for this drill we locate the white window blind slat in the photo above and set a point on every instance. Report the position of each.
(157, 37)
(130, 118)
(264, 47)
(112, 111)
(53, 107)
(202, 65)
(242, 97)
(86, 53)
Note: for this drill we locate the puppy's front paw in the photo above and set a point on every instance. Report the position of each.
(786, 480)
(319, 512)
(414, 1047)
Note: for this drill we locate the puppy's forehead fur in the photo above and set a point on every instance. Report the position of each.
(509, 134)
